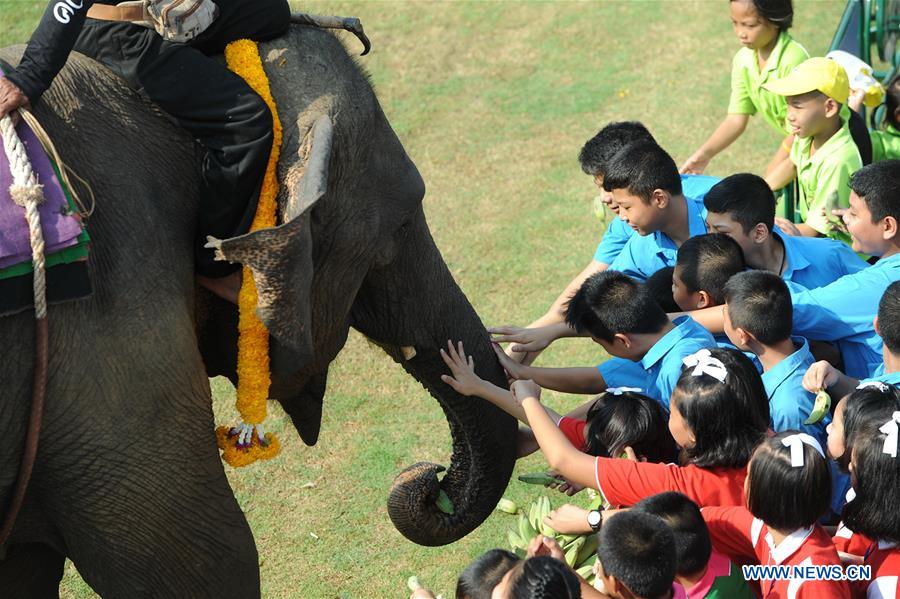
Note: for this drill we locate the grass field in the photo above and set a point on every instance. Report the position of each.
(492, 100)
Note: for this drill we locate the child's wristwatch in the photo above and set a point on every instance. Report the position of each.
(595, 520)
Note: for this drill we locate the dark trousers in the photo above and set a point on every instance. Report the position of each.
(228, 119)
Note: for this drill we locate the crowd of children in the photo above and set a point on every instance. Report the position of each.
(748, 414)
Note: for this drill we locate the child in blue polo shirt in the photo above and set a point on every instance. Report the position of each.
(620, 315)
(645, 184)
(844, 311)
(742, 206)
(758, 319)
(823, 375)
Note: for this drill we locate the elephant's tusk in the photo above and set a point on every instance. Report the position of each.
(408, 351)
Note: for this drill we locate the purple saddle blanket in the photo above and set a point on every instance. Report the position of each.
(60, 228)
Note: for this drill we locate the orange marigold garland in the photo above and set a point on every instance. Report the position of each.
(244, 444)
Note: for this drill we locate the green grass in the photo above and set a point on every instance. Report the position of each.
(492, 100)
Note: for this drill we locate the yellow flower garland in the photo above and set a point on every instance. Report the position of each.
(246, 443)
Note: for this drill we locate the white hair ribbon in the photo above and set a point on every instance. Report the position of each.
(703, 362)
(796, 443)
(891, 429)
(876, 384)
(621, 390)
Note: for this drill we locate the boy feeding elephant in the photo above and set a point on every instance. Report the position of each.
(174, 69)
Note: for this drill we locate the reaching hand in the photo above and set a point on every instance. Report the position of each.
(462, 368)
(569, 520)
(856, 99)
(544, 545)
(696, 164)
(568, 488)
(819, 376)
(11, 97)
(525, 388)
(787, 227)
(514, 370)
(526, 340)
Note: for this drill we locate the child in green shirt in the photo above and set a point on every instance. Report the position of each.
(768, 53)
(823, 154)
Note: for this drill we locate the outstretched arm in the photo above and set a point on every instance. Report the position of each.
(572, 464)
(465, 382)
(582, 380)
(48, 49)
(731, 127)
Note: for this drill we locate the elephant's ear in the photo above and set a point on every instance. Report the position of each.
(280, 258)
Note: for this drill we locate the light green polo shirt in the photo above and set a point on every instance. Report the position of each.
(885, 143)
(747, 93)
(824, 179)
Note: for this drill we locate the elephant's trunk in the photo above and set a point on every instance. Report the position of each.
(415, 303)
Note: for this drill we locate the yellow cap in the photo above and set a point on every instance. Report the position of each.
(817, 73)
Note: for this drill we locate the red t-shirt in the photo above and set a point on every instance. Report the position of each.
(573, 429)
(624, 483)
(885, 583)
(735, 532)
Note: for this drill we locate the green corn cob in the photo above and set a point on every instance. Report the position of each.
(444, 504)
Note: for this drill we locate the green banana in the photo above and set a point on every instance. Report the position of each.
(510, 507)
(566, 540)
(573, 551)
(545, 511)
(526, 532)
(820, 408)
(444, 504)
(586, 572)
(533, 517)
(540, 478)
(588, 550)
(515, 541)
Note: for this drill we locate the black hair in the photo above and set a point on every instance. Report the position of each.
(706, 262)
(889, 317)
(629, 419)
(759, 302)
(878, 184)
(692, 543)
(659, 284)
(642, 167)
(728, 419)
(892, 102)
(875, 511)
(638, 549)
(863, 407)
(777, 12)
(746, 198)
(610, 302)
(598, 150)
(480, 577)
(544, 577)
(783, 496)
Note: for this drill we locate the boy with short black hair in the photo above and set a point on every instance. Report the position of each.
(620, 315)
(645, 184)
(742, 206)
(636, 556)
(758, 319)
(703, 267)
(823, 154)
(702, 572)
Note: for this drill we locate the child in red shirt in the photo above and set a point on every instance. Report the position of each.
(875, 511)
(718, 413)
(788, 489)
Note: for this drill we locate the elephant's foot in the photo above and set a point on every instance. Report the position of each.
(31, 571)
(227, 287)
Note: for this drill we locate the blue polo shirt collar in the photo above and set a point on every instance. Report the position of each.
(683, 326)
(796, 260)
(696, 225)
(784, 369)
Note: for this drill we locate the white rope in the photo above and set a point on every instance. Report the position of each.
(28, 193)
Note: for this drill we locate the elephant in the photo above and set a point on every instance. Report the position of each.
(128, 482)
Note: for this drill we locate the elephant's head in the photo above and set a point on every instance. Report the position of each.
(355, 250)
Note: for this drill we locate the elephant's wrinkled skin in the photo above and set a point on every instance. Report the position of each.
(128, 482)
